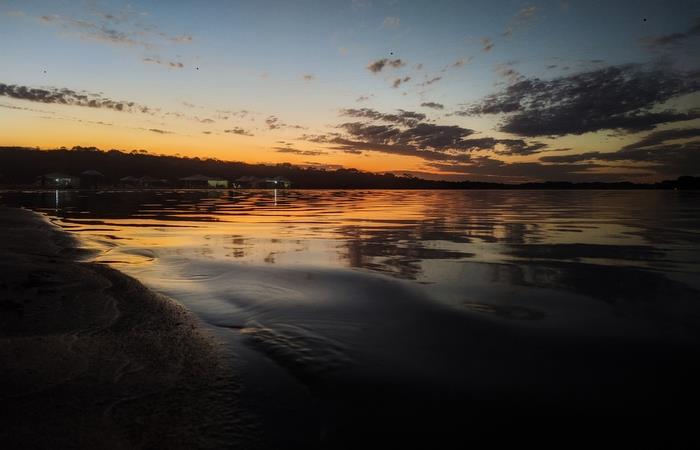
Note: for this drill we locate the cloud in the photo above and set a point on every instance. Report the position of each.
(274, 123)
(123, 28)
(397, 82)
(497, 170)
(362, 98)
(205, 120)
(408, 118)
(674, 38)
(460, 62)
(654, 151)
(68, 97)
(611, 98)
(524, 17)
(405, 134)
(391, 22)
(308, 77)
(431, 81)
(660, 137)
(182, 39)
(433, 105)
(378, 65)
(486, 44)
(94, 31)
(169, 64)
(299, 152)
(156, 130)
(239, 131)
(321, 166)
(506, 71)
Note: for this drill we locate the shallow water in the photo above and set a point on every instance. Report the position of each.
(490, 294)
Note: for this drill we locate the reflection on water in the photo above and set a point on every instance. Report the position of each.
(618, 247)
(552, 299)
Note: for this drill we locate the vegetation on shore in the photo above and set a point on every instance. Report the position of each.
(21, 166)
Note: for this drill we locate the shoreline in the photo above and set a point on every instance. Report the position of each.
(90, 358)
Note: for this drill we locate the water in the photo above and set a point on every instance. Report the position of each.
(494, 296)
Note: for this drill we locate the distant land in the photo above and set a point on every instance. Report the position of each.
(22, 167)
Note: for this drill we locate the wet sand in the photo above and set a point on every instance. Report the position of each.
(89, 358)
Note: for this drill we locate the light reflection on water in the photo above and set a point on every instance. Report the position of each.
(574, 300)
(637, 251)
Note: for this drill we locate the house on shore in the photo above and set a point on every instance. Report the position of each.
(152, 182)
(263, 183)
(277, 183)
(91, 179)
(248, 181)
(129, 182)
(203, 181)
(58, 180)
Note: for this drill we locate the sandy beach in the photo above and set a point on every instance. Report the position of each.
(89, 358)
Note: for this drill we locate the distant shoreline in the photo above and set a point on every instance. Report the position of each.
(90, 358)
(23, 168)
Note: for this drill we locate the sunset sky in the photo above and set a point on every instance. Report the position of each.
(481, 90)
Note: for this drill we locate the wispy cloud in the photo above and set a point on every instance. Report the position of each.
(673, 39)
(125, 28)
(299, 152)
(391, 22)
(309, 77)
(486, 44)
(524, 18)
(169, 64)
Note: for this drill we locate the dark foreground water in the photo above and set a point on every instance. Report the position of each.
(468, 314)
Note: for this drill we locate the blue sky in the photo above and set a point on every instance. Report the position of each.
(288, 79)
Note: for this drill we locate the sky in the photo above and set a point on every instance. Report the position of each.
(486, 90)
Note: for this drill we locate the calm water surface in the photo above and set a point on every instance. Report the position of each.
(424, 287)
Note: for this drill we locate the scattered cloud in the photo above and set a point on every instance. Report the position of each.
(182, 39)
(408, 118)
(433, 105)
(378, 65)
(391, 22)
(362, 98)
(486, 44)
(274, 123)
(397, 82)
(308, 77)
(156, 130)
(405, 133)
(125, 28)
(431, 81)
(68, 97)
(169, 64)
(611, 98)
(655, 151)
(674, 39)
(299, 152)
(524, 18)
(239, 131)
